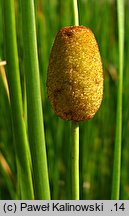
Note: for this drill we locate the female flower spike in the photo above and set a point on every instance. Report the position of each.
(75, 74)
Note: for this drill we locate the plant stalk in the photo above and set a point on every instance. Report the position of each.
(34, 105)
(13, 77)
(75, 11)
(75, 160)
(118, 138)
(75, 135)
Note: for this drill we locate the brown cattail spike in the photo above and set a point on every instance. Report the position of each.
(75, 74)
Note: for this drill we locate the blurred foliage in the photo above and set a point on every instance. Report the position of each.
(97, 135)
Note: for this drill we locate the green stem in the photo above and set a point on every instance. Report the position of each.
(34, 105)
(75, 11)
(13, 77)
(75, 135)
(117, 151)
(75, 160)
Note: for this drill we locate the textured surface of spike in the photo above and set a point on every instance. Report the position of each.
(75, 74)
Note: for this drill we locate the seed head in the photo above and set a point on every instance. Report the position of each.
(75, 74)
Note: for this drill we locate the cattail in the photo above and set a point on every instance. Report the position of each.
(75, 74)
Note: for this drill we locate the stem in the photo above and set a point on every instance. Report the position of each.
(117, 151)
(34, 105)
(75, 160)
(13, 77)
(75, 135)
(75, 11)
